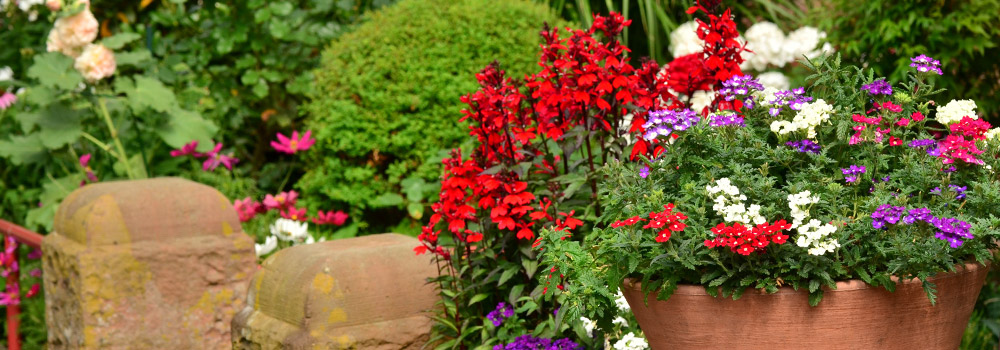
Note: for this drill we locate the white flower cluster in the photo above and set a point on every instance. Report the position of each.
(701, 99)
(808, 118)
(6, 73)
(631, 342)
(955, 110)
(589, 326)
(814, 234)
(799, 203)
(729, 204)
(286, 230)
(684, 40)
(621, 303)
(774, 80)
(770, 46)
(992, 134)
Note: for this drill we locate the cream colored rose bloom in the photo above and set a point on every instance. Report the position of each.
(95, 63)
(77, 30)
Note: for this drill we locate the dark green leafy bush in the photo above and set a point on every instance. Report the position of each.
(884, 35)
(386, 100)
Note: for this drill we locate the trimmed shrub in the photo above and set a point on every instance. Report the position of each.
(387, 99)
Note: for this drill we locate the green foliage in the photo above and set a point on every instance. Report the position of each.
(767, 171)
(386, 100)
(883, 36)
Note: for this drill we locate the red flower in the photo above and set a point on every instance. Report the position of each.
(336, 218)
(917, 116)
(893, 141)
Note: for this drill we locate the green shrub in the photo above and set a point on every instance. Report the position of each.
(884, 35)
(386, 99)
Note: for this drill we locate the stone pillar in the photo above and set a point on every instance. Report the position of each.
(149, 264)
(368, 292)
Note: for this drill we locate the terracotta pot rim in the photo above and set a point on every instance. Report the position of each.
(842, 286)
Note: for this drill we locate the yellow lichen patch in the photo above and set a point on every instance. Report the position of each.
(337, 316)
(256, 290)
(227, 230)
(101, 216)
(323, 283)
(212, 301)
(89, 336)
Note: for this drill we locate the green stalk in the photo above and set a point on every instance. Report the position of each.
(122, 157)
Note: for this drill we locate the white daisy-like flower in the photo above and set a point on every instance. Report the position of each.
(290, 230)
(270, 243)
(955, 110)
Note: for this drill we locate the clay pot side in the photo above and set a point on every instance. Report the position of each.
(854, 316)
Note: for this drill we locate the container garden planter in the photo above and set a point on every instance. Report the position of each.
(855, 315)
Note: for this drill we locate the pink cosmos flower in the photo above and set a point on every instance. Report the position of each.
(292, 213)
(281, 200)
(214, 159)
(247, 208)
(293, 144)
(336, 218)
(11, 296)
(188, 149)
(6, 100)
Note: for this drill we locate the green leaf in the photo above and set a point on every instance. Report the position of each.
(23, 149)
(477, 298)
(184, 126)
(506, 275)
(118, 41)
(58, 125)
(281, 8)
(387, 200)
(56, 70)
(414, 188)
(147, 93)
(133, 58)
(415, 209)
(530, 266)
(262, 15)
(279, 29)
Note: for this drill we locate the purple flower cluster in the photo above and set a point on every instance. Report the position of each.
(959, 191)
(887, 214)
(529, 342)
(665, 122)
(643, 173)
(741, 86)
(925, 64)
(851, 173)
(951, 230)
(805, 146)
(878, 87)
(922, 143)
(501, 313)
(793, 99)
(720, 120)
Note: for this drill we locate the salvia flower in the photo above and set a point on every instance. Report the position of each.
(501, 313)
(851, 173)
(293, 144)
(878, 87)
(925, 64)
(721, 119)
(959, 191)
(666, 122)
(805, 146)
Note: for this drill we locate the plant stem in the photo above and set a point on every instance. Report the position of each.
(122, 157)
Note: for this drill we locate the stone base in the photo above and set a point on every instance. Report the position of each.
(361, 293)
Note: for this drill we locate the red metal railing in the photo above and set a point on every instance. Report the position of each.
(31, 239)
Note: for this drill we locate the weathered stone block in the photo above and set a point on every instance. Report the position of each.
(361, 293)
(150, 264)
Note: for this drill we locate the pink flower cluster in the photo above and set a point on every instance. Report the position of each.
(213, 158)
(284, 203)
(876, 127)
(8, 265)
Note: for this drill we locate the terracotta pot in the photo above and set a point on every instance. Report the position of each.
(854, 316)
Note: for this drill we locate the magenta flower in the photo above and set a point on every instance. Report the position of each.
(84, 160)
(336, 218)
(11, 296)
(293, 144)
(188, 149)
(7, 100)
(281, 200)
(292, 213)
(33, 291)
(247, 208)
(215, 159)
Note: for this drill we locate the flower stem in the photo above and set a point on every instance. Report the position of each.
(122, 157)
